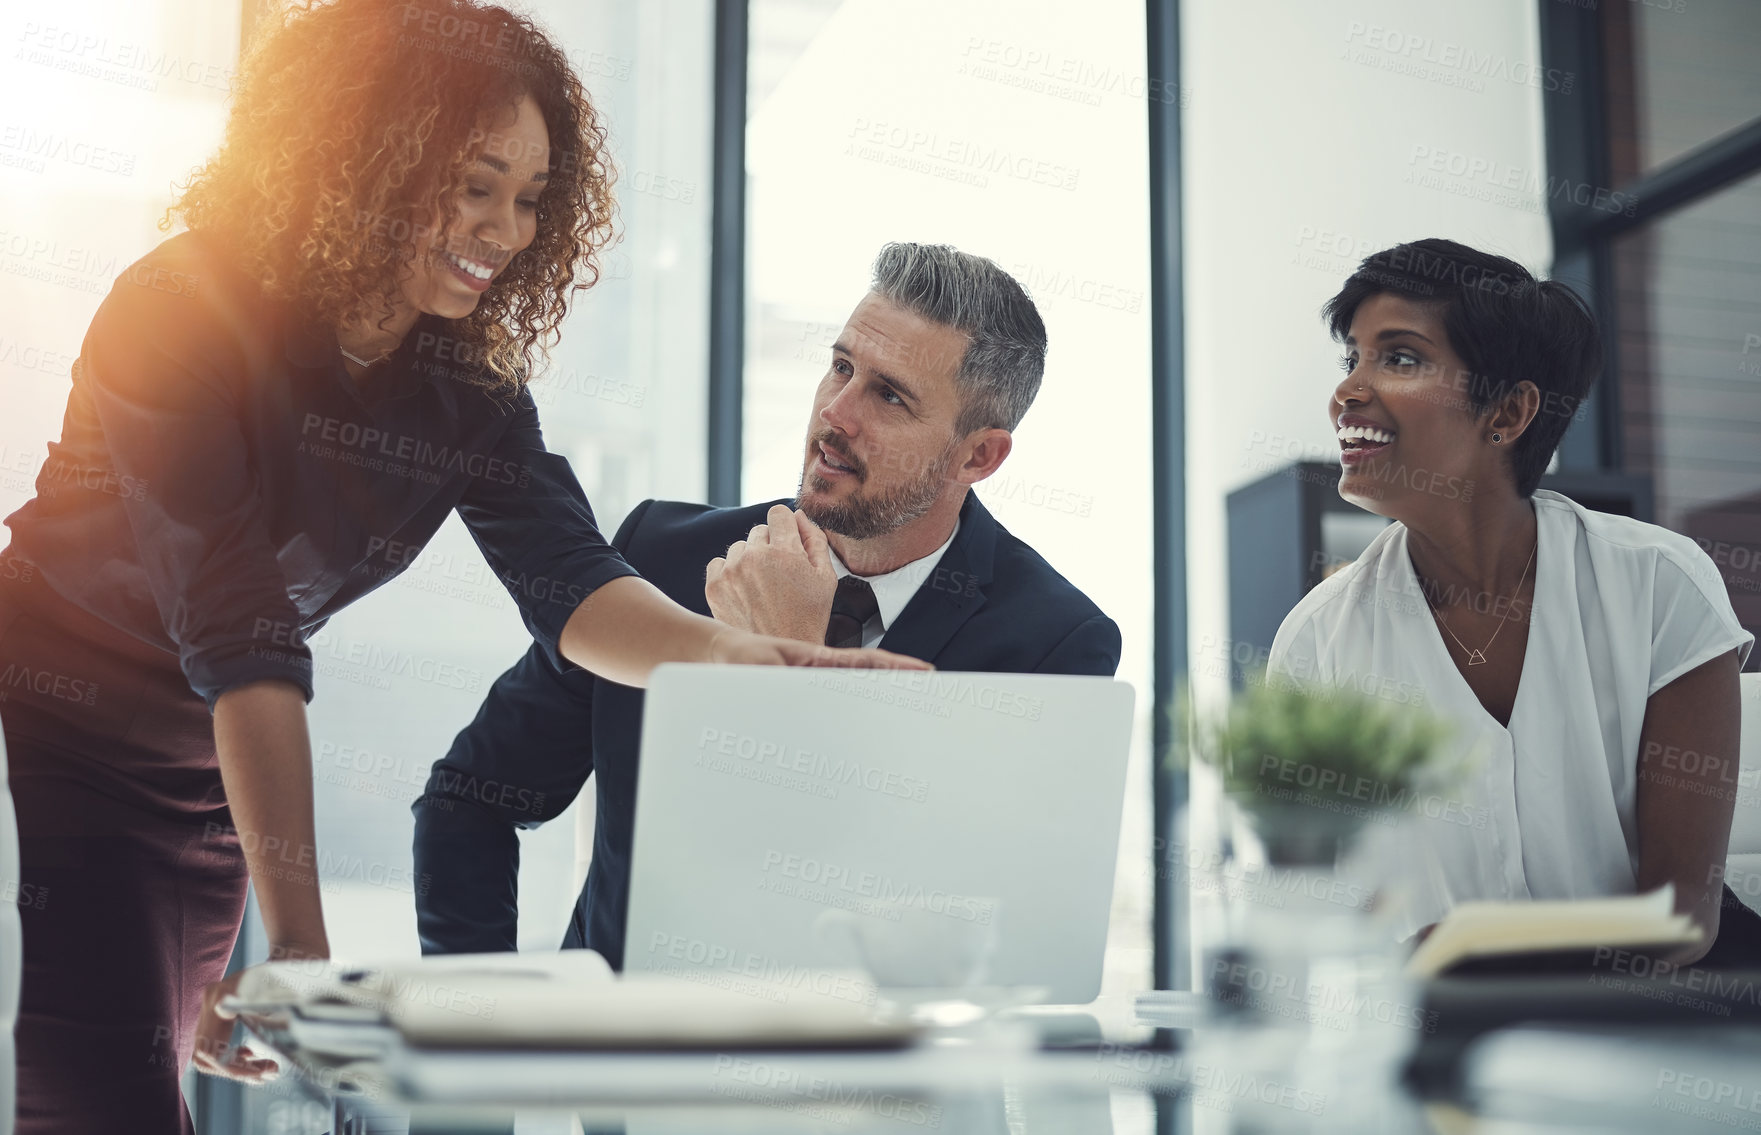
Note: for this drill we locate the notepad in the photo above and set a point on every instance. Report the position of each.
(1505, 936)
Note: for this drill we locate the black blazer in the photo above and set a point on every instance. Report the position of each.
(992, 604)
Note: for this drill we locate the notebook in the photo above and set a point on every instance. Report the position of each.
(1506, 937)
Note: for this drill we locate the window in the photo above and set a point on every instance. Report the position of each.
(1688, 309)
(1011, 131)
(1674, 130)
(112, 102)
(1679, 75)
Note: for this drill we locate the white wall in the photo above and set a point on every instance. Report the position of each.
(1317, 132)
(1308, 146)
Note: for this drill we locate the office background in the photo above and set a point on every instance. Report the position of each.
(1180, 184)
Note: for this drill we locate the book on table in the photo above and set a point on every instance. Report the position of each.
(1530, 937)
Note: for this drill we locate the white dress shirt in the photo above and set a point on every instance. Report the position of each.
(894, 590)
(1621, 609)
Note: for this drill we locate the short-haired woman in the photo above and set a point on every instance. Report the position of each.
(270, 412)
(1581, 652)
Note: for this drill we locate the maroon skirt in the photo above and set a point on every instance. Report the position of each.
(132, 883)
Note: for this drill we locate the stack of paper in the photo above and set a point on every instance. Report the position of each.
(569, 1000)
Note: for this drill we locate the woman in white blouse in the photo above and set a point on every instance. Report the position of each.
(1591, 660)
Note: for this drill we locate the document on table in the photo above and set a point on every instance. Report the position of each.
(569, 1000)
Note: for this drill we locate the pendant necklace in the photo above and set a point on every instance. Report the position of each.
(1478, 657)
(356, 359)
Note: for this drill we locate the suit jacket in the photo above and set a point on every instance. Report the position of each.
(992, 604)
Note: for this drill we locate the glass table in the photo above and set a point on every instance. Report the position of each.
(1112, 1067)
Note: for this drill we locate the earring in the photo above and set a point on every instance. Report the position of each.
(1497, 438)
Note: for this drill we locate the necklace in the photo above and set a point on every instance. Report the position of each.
(1478, 657)
(356, 359)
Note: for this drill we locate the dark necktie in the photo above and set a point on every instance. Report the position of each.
(853, 604)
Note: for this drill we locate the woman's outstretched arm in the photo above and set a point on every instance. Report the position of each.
(576, 593)
(628, 627)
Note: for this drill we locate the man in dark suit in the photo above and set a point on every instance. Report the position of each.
(935, 367)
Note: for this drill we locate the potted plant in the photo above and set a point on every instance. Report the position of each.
(1298, 943)
(1309, 766)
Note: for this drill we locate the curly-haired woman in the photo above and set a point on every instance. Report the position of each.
(270, 412)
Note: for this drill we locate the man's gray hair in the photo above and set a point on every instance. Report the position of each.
(1006, 340)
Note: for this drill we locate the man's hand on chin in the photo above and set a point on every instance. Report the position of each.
(778, 581)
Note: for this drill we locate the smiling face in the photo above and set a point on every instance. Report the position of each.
(497, 216)
(1409, 438)
(881, 442)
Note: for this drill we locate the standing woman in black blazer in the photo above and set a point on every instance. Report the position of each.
(270, 413)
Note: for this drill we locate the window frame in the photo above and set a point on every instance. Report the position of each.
(1578, 151)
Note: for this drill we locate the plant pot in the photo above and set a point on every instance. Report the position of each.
(1300, 834)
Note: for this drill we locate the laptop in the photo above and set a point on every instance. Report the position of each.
(781, 811)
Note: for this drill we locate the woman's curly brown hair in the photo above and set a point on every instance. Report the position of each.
(351, 127)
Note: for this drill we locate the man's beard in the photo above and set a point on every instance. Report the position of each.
(864, 516)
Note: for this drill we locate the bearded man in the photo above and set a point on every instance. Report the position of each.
(884, 543)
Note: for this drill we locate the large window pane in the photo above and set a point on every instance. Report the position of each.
(1689, 294)
(1014, 131)
(108, 103)
(1680, 73)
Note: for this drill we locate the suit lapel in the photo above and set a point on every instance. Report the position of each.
(952, 592)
